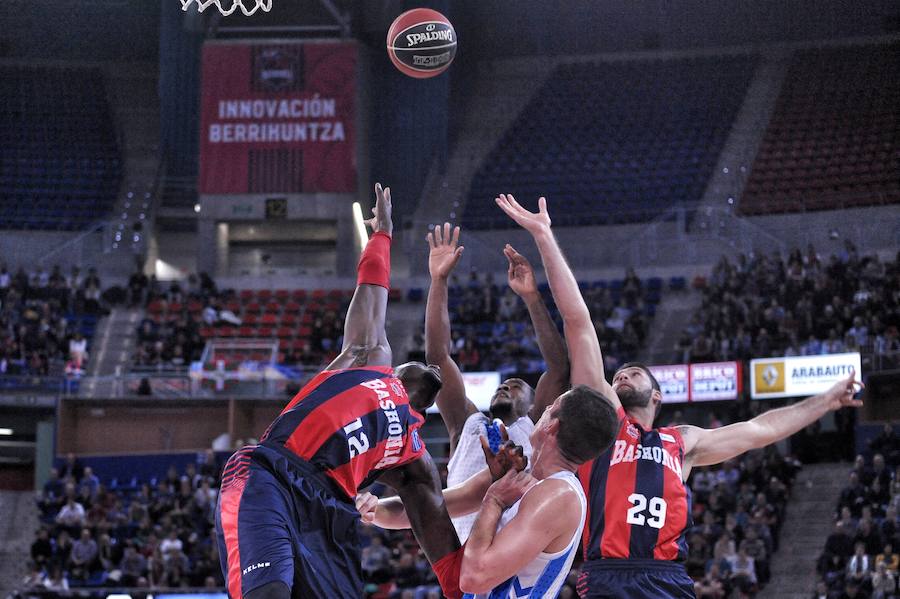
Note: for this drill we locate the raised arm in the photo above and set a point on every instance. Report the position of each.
(365, 340)
(464, 498)
(584, 348)
(555, 380)
(389, 512)
(704, 447)
(547, 517)
(455, 407)
(419, 487)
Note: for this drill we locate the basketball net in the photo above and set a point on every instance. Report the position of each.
(265, 5)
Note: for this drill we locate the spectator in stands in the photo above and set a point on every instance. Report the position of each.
(743, 571)
(137, 287)
(884, 582)
(887, 557)
(858, 567)
(56, 580)
(78, 350)
(84, 554)
(71, 515)
(42, 549)
(90, 481)
(711, 585)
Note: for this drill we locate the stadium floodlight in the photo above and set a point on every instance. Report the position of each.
(360, 226)
(6, 431)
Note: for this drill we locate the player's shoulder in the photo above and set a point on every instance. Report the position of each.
(524, 423)
(672, 434)
(553, 497)
(474, 424)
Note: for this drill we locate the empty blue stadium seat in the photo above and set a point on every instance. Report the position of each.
(614, 142)
(60, 167)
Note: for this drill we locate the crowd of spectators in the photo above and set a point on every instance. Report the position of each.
(766, 305)
(174, 341)
(738, 510)
(491, 329)
(172, 336)
(860, 557)
(40, 314)
(158, 534)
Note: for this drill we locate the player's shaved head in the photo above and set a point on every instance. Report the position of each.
(421, 382)
(514, 397)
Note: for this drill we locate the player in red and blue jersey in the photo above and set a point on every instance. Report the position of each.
(286, 522)
(638, 503)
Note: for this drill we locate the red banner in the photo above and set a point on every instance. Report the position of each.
(715, 381)
(278, 118)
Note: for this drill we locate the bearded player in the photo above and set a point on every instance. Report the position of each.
(639, 507)
(514, 404)
(286, 522)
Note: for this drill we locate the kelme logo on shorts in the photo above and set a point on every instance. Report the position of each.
(257, 566)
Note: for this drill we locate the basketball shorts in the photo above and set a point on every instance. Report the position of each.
(281, 519)
(635, 579)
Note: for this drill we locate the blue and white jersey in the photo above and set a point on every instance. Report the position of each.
(468, 459)
(544, 576)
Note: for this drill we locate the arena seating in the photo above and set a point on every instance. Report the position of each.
(834, 136)
(101, 532)
(307, 324)
(60, 167)
(862, 551)
(804, 305)
(738, 510)
(613, 142)
(492, 331)
(40, 315)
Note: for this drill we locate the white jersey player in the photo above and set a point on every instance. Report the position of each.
(515, 403)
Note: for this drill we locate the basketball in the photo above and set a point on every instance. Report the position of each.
(421, 43)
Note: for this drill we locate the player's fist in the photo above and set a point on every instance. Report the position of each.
(366, 505)
(509, 456)
(509, 489)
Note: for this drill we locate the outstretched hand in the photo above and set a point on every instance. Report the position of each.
(533, 222)
(520, 274)
(444, 254)
(841, 393)
(381, 221)
(509, 456)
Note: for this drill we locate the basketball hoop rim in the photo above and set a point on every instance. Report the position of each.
(264, 5)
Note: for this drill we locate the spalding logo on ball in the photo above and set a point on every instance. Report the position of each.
(421, 43)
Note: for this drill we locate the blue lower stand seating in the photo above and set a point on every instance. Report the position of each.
(614, 142)
(60, 168)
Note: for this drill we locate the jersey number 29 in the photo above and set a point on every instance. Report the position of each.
(357, 440)
(656, 508)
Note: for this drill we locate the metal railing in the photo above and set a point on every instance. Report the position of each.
(180, 384)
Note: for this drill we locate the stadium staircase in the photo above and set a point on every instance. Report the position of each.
(672, 313)
(114, 344)
(499, 93)
(806, 525)
(18, 521)
(733, 167)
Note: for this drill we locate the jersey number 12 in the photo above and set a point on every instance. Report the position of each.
(656, 507)
(357, 440)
